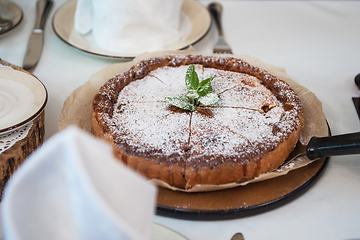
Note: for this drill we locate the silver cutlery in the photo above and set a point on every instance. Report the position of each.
(221, 46)
(36, 40)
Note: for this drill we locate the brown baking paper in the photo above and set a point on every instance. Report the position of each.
(77, 111)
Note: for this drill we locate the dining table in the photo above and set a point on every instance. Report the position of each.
(317, 43)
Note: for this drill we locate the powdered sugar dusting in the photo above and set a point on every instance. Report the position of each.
(216, 135)
(240, 90)
(248, 97)
(237, 128)
(225, 80)
(151, 127)
(157, 85)
(147, 89)
(174, 76)
(233, 133)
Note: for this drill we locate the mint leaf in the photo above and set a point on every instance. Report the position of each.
(197, 92)
(182, 102)
(205, 86)
(192, 94)
(191, 78)
(208, 99)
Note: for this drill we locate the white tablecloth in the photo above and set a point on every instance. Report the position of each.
(317, 42)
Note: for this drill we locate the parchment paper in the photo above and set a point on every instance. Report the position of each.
(77, 111)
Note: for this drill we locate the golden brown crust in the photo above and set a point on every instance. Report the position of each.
(183, 174)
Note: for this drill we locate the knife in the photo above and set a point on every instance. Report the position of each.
(36, 40)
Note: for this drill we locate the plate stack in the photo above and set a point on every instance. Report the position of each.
(22, 102)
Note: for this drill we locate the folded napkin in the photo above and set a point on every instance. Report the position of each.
(130, 26)
(73, 188)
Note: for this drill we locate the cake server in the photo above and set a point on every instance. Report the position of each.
(345, 144)
(36, 40)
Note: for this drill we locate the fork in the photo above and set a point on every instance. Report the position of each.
(221, 46)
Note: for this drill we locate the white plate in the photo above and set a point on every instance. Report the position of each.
(22, 98)
(196, 13)
(11, 11)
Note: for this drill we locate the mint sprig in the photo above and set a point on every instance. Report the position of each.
(182, 102)
(197, 92)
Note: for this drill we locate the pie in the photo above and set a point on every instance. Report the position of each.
(251, 130)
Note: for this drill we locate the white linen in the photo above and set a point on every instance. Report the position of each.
(129, 26)
(73, 188)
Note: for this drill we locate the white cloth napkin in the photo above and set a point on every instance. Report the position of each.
(73, 188)
(130, 26)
